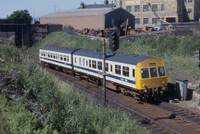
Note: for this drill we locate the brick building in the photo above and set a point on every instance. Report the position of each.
(150, 12)
(97, 18)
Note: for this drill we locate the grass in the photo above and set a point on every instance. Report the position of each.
(55, 106)
(65, 40)
(14, 118)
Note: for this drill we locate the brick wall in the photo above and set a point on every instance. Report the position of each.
(172, 9)
(78, 22)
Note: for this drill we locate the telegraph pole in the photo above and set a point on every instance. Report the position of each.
(104, 72)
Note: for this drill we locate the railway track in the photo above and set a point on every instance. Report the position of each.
(183, 114)
(189, 117)
(174, 111)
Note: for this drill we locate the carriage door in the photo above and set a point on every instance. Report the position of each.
(111, 69)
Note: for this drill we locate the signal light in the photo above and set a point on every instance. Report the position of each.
(113, 40)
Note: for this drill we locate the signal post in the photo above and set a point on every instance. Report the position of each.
(113, 45)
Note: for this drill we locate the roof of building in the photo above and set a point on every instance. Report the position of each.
(98, 6)
(80, 12)
(119, 57)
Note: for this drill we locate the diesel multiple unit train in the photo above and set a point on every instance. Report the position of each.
(144, 74)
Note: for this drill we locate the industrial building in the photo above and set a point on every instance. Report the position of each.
(155, 12)
(96, 17)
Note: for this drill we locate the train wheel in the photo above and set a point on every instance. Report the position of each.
(57, 68)
(145, 98)
(117, 89)
(155, 98)
(98, 82)
(72, 73)
(124, 92)
(87, 79)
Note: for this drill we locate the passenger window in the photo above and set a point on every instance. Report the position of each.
(94, 64)
(117, 69)
(60, 57)
(83, 61)
(145, 73)
(67, 58)
(153, 72)
(126, 71)
(86, 62)
(99, 65)
(110, 68)
(75, 60)
(161, 71)
(89, 63)
(133, 72)
(79, 61)
(106, 68)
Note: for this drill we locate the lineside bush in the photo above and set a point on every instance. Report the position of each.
(48, 105)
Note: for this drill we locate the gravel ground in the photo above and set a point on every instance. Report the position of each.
(193, 105)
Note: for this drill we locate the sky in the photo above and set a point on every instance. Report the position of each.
(38, 8)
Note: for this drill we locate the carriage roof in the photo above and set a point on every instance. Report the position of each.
(119, 57)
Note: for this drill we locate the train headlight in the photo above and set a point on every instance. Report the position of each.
(163, 83)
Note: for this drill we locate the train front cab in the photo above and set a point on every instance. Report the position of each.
(151, 77)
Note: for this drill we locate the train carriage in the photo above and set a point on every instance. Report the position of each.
(59, 56)
(144, 74)
(133, 71)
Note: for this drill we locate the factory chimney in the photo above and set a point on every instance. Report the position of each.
(82, 5)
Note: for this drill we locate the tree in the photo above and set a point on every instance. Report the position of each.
(20, 17)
